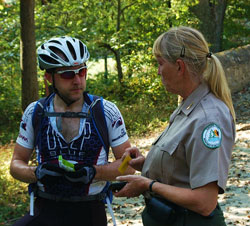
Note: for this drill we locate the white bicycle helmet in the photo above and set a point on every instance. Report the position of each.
(62, 52)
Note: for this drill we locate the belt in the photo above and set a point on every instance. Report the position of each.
(172, 207)
(86, 198)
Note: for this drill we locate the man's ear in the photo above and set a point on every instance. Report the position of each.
(48, 76)
(181, 65)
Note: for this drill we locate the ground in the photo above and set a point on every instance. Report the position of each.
(235, 202)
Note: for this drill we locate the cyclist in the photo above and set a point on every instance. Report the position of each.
(73, 167)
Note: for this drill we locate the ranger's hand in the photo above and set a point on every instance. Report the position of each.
(83, 174)
(48, 173)
(137, 160)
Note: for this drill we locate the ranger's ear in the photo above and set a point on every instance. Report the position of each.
(181, 65)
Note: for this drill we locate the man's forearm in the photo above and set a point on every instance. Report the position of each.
(110, 171)
(23, 172)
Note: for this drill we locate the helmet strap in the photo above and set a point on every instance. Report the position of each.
(65, 100)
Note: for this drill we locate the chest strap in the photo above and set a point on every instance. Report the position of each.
(97, 197)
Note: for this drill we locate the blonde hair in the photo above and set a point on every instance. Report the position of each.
(190, 45)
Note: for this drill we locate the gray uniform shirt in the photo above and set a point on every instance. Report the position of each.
(195, 149)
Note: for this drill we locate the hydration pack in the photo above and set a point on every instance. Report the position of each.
(96, 113)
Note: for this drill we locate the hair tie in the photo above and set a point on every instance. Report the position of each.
(209, 55)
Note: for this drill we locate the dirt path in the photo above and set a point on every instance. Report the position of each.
(236, 200)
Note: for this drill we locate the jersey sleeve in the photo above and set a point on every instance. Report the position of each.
(115, 124)
(26, 131)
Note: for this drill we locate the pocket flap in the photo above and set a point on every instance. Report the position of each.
(169, 147)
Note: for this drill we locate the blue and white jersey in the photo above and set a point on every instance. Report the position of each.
(78, 149)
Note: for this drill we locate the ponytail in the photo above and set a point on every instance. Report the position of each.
(214, 76)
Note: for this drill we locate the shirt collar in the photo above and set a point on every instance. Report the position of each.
(194, 98)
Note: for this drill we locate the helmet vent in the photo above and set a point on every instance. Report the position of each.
(48, 59)
(58, 53)
(55, 41)
(72, 50)
(81, 50)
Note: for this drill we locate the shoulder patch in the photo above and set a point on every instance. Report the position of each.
(211, 136)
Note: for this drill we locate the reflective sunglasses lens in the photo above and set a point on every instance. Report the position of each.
(82, 72)
(68, 75)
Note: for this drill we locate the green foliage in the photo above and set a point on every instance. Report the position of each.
(10, 103)
(142, 100)
(10, 78)
(95, 22)
(236, 24)
(10, 110)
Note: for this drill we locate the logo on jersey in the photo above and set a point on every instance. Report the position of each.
(23, 138)
(211, 136)
(23, 125)
(117, 123)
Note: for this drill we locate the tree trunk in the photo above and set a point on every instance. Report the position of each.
(106, 66)
(211, 14)
(119, 66)
(28, 53)
(117, 52)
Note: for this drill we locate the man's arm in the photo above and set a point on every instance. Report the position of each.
(19, 167)
(110, 171)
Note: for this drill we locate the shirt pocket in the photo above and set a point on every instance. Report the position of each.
(168, 161)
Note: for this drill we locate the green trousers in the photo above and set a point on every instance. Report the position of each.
(187, 219)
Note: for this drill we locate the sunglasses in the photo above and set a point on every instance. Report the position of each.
(69, 74)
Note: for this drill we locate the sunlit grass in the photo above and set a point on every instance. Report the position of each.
(13, 194)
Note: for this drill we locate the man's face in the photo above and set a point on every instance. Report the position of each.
(69, 83)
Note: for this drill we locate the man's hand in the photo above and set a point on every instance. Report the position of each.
(83, 174)
(48, 173)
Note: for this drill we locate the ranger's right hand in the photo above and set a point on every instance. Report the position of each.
(137, 160)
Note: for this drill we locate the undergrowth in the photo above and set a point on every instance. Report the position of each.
(13, 194)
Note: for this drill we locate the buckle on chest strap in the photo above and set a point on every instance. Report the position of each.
(97, 197)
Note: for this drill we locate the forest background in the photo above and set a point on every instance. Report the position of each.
(117, 32)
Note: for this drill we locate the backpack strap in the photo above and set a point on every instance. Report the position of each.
(98, 117)
(37, 116)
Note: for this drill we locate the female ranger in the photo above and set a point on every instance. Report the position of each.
(187, 166)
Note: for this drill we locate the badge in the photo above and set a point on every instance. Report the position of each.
(211, 136)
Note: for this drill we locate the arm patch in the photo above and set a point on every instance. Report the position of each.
(211, 136)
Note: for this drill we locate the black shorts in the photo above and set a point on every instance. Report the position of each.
(58, 213)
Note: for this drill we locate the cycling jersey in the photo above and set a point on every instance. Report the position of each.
(78, 148)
